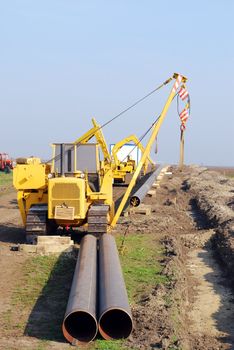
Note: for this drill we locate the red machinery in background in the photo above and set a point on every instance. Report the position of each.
(5, 163)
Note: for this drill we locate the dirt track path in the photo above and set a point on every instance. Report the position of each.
(9, 211)
(11, 229)
(212, 309)
(11, 232)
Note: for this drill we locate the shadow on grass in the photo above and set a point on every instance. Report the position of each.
(45, 320)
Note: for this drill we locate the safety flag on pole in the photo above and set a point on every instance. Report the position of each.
(184, 117)
(183, 93)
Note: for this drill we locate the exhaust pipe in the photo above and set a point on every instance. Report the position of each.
(115, 319)
(80, 324)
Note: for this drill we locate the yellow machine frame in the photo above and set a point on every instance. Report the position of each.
(128, 166)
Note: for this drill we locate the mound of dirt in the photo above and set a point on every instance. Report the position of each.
(214, 195)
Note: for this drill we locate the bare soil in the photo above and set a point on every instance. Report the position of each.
(11, 232)
(193, 217)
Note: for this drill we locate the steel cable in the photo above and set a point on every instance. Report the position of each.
(119, 114)
(142, 138)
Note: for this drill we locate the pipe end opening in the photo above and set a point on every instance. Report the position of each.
(115, 324)
(81, 326)
(135, 201)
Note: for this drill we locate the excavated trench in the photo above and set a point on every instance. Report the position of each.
(211, 310)
(211, 305)
(200, 314)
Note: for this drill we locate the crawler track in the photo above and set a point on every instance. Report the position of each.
(36, 224)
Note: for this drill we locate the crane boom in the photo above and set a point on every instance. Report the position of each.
(101, 140)
(96, 131)
(149, 145)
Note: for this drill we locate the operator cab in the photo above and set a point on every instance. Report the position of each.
(71, 159)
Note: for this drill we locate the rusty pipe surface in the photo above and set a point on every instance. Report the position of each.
(115, 319)
(80, 324)
(138, 196)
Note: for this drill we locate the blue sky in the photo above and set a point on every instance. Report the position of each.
(63, 62)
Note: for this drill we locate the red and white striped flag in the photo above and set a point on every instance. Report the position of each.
(177, 82)
(183, 93)
(184, 115)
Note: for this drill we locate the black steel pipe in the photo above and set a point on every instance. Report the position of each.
(115, 319)
(80, 324)
(139, 195)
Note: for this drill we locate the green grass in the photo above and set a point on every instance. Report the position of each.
(41, 298)
(109, 345)
(6, 182)
(37, 271)
(5, 179)
(141, 266)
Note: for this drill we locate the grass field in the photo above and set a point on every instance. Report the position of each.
(226, 171)
(5, 179)
(140, 264)
(6, 182)
(42, 293)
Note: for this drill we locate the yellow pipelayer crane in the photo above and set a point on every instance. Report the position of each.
(128, 166)
(119, 168)
(76, 188)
